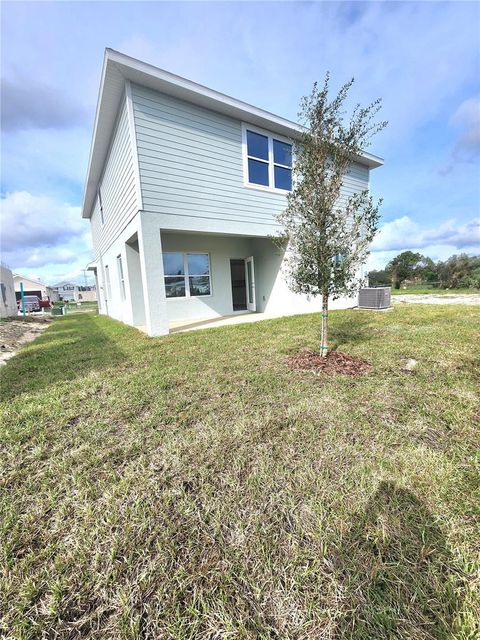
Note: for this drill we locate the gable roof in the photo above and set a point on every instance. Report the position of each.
(119, 68)
(66, 283)
(19, 276)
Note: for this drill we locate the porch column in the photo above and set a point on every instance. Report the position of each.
(151, 264)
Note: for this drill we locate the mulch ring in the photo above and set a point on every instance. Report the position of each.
(334, 362)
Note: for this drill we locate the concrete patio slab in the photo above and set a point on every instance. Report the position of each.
(237, 318)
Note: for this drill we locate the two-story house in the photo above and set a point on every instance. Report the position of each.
(66, 290)
(182, 191)
(73, 292)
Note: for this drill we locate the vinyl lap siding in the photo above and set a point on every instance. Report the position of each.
(357, 179)
(191, 163)
(117, 187)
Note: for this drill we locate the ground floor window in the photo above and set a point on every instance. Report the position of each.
(186, 274)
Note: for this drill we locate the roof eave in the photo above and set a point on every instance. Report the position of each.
(86, 214)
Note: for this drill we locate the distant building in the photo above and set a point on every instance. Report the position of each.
(72, 292)
(32, 287)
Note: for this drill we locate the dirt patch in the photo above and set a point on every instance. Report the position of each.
(16, 333)
(335, 362)
(439, 298)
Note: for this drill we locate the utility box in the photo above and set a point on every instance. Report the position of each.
(58, 311)
(374, 298)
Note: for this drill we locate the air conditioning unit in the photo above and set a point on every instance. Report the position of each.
(374, 298)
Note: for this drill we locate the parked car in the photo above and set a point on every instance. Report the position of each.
(32, 303)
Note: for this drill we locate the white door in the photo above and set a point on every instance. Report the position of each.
(250, 284)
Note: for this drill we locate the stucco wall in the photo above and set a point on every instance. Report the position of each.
(273, 296)
(221, 250)
(8, 303)
(141, 246)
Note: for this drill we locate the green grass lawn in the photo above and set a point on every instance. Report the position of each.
(192, 487)
(73, 307)
(427, 290)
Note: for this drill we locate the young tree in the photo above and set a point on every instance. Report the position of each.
(328, 232)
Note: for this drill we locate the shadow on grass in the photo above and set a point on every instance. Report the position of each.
(69, 349)
(355, 327)
(398, 575)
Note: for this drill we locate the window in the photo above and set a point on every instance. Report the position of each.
(120, 277)
(100, 203)
(258, 154)
(268, 161)
(107, 282)
(282, 165)
(186, 275)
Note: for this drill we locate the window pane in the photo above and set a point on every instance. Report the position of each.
(257, 145)
(283, 178)
(175, 287)
(198, 264)
(282, 153)
(199, 285)
(173, 264)
(258, 172)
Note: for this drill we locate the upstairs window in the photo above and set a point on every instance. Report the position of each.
(187, 275)
(268, 161)
(282, 165)
(258, 158)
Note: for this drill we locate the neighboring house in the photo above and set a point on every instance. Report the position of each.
(65, 290)
(182, 191)
(8, 302)
(33, 287)
(86, 294)
(72, 292)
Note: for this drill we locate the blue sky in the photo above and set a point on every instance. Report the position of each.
(422, 59)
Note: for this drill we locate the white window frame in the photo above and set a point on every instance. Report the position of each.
(107, 282)
(271, 163)
(186, 275)
(121, 278)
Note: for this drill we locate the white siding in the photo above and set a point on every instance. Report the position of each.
(117, 187)
(191, 163)
(191, 168)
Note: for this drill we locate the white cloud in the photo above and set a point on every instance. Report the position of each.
(32, 221)
(438, 243)
(42, 234)
(455, 235)
(467, 118)
(396, 234)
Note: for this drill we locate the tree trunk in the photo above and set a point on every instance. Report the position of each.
(324, 326)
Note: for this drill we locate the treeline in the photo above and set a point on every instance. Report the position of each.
(458, 272)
